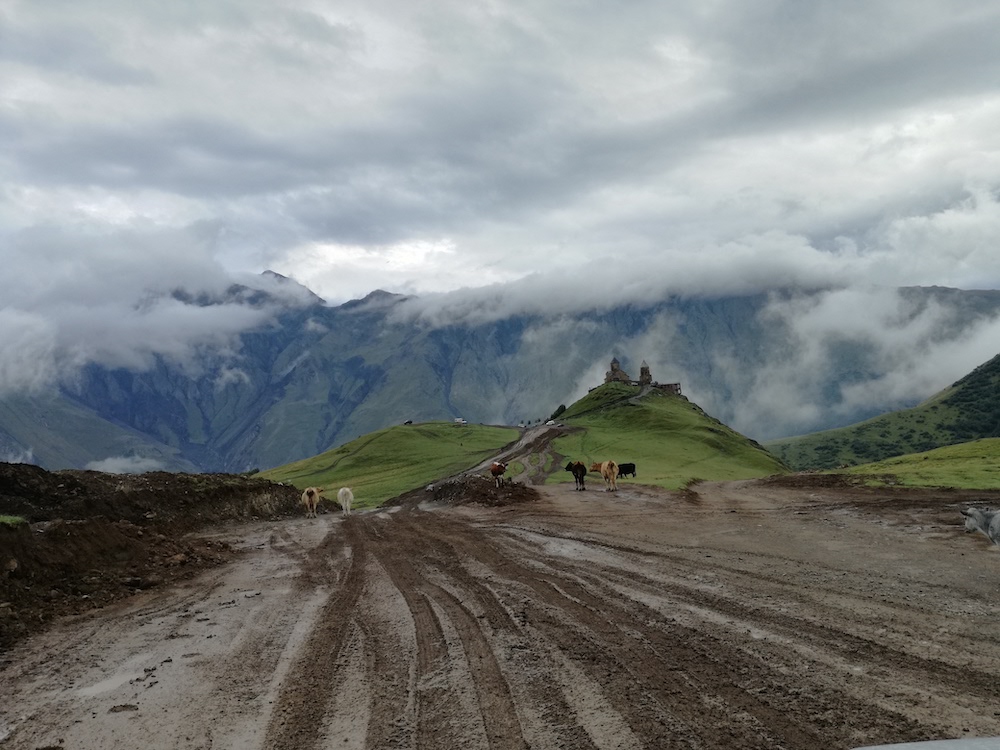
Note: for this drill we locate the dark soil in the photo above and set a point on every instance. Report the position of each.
(93, 538)
(472, 489)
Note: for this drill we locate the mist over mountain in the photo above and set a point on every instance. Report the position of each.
(298, 376)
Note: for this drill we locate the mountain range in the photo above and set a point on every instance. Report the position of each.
(318, 375)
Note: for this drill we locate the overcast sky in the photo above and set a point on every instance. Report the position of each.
(427, 147)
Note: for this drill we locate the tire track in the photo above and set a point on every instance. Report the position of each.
(432, 700)
(707, 667)
(503, 727)
(513, 690)
(298, 712)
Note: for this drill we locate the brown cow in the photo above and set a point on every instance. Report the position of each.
(498, 470)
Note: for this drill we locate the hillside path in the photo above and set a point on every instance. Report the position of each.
(745, 615)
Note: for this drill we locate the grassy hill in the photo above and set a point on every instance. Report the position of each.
(388, 462)
(974, 465)
(671, 440)
(967, 410)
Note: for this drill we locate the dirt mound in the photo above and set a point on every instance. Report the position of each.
(184, 500)
(93, 538)
(472, 489)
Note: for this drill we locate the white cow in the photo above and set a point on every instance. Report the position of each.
(986, 521)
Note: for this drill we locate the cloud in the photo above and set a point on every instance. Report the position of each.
(850, 352)
(27, 352)
(14, 456)
(114, 301)
(125, 465)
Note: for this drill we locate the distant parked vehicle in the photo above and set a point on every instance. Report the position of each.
(408, 421)
(550, 423)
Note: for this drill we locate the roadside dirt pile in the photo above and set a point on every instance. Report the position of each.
(94, 538)
(469, 489)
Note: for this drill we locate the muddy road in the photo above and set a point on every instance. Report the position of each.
(790, 614)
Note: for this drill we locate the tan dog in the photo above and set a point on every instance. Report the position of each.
(310, 499)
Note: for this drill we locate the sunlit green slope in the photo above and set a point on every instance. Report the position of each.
(388, 462)
(671, 440)
(974, 465)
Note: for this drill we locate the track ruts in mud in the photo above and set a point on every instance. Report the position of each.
(298, 713)
(522, 622)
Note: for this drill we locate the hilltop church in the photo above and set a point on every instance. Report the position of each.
(617, 375)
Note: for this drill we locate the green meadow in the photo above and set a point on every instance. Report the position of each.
(386, 463)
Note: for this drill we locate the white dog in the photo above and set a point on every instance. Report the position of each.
(345, 497)
(986, 521)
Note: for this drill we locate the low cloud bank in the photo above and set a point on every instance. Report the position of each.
(953, 247)
(125, 465)
(26, 456)
(897, 354)
(122, 300)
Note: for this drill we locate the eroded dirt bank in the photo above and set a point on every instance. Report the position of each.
(792, 614)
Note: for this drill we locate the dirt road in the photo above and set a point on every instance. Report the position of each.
(745, 615)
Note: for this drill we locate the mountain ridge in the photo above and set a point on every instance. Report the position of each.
(318, 376)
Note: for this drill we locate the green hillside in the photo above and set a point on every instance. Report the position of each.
(973, 465)
(388, 462)
(967, 410)
(671, 440)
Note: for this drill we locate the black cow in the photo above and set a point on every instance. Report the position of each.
(579, 474)
(624, 469)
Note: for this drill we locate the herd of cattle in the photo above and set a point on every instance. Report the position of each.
(610, 470)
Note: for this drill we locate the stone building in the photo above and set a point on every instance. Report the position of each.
(617, 375)
(644, 377)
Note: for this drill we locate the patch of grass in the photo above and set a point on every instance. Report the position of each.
(671, 440)
(974, 465)
(388, 462)
(601, 398)
(12, 520)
